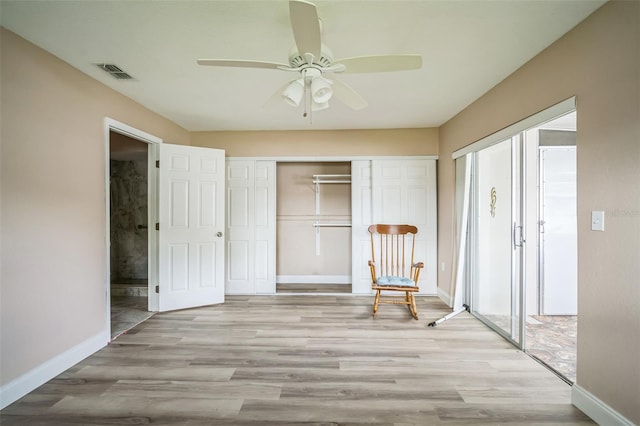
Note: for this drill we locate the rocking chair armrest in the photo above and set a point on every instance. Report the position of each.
(372, 269)
(415, 271)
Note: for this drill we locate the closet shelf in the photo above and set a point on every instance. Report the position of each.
(320, 180)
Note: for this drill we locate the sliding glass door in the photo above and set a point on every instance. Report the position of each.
(522, 194)
(497, 237)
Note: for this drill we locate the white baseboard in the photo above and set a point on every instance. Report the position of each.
(313, 279)
(593, 407)
(29, 381)
(445, 297)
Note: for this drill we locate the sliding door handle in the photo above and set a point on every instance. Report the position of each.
(518, 236)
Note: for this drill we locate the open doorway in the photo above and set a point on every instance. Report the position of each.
(551, 289)
(129, 236)
(313, 227)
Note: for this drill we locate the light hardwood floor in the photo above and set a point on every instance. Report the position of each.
(278, 360)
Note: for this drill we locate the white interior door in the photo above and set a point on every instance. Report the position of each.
(191, 216)
(558, 231)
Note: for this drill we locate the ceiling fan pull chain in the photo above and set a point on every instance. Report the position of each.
(306, 91)
(309, 103)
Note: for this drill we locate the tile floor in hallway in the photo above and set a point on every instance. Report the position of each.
(127, 312)
(553, 339)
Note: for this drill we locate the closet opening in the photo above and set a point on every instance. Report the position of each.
(313, 227)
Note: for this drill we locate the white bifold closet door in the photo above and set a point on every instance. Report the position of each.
(401, 191)
(251, 228)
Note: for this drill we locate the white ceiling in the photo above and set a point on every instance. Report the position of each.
(467, 48)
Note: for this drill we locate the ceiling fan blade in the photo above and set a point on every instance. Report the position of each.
(347, 95)
(380, 63)
(238, 63)
(306, 27)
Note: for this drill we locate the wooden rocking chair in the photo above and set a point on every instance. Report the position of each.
(392, 265)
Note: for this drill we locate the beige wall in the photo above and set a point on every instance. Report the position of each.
(296, 214)
(599, 63)
(53, 202)
(316, 143)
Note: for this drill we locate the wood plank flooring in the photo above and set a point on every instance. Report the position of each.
(281, 360)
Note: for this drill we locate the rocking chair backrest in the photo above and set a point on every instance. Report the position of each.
(392, 249)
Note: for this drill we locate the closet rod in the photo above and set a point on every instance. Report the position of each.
(327, 225)
(331, 179)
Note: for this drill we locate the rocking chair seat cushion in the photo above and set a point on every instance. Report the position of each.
(395, 281)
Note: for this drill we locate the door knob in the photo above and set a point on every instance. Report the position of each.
(219, 234)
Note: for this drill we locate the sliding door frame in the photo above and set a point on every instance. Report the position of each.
(519, 217)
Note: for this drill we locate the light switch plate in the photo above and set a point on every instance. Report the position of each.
(597, 221)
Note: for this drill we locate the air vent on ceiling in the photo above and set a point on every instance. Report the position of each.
(115, 71)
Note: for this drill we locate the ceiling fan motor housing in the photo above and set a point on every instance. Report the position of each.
(298, 60)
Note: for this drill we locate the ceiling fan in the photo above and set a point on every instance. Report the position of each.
(312, 59)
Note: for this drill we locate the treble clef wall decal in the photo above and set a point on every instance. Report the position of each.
(493, 202)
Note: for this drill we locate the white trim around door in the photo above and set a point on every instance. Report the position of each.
(153, 141)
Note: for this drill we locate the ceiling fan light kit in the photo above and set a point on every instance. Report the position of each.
(294, 92)
(311, 59)
(320, 87)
